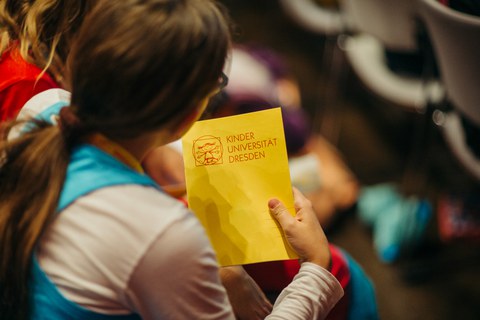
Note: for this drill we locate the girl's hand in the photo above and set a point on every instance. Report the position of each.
(165, 166)
(303, 232)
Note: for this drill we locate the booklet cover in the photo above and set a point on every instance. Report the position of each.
(233, 166)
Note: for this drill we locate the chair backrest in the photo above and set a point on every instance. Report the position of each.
(456, 42)
(390, 21)
(314, 17)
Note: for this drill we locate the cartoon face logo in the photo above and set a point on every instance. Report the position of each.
(207, 150)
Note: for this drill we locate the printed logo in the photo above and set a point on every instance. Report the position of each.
(207, 151)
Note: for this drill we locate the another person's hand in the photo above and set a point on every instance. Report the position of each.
(165, 166)
(303, 232)
(247, 299)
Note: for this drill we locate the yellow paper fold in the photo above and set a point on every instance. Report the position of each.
(233, 166)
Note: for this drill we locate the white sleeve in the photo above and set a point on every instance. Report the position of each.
(178, 277)
(311, 295)
(43, 102)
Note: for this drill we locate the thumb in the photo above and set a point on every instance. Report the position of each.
(280, 212)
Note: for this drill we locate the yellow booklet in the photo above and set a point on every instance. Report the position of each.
(233, 166)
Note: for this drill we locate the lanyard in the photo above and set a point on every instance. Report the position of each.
(115, 150)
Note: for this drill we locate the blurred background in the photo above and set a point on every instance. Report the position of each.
(384, 136)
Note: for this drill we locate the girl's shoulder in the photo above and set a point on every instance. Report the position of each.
(104, 236)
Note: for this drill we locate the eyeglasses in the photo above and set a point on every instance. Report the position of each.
(222, 82)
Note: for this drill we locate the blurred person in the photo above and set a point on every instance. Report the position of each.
(259, 79)
(138, 82)
(35, 41)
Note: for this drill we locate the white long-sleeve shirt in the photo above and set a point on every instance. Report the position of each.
(151, 256)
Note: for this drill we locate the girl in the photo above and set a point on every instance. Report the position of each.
(84, 234)
(35, 41)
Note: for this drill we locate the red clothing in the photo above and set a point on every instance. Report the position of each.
(275, 275)
(18, 83)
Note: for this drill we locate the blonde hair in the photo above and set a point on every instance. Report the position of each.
(42, 30)
(12, 16)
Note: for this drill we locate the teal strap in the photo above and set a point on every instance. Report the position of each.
(49, 303)
(90, 169)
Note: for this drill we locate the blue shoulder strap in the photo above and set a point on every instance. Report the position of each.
(50, 304)
(90, 169)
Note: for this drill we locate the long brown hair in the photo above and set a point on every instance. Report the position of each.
(136, 66)
(12, 17)
(42, 30)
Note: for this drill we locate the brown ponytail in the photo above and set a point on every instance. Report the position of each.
(32, 173)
